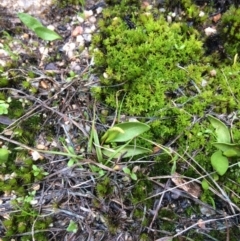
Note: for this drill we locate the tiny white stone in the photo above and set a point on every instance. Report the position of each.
(42, 50)
(201, 14)
(213, 73)
(210, 31)
(87, 30)
(80, 39)
(72, 46)
(2, 63)
(105, 75)
(80, 19)
(93, 28)
(204, 83)
(92, 19)
(99, 10)
(88, 13)
(87, 37)
(34, 202)
(169, 19)
(51, 27)
(3, 52)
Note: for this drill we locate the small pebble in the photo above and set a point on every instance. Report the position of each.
(210, 31)
(77, 31)
(169, 19)
(213, 73)
(105, 75)
(80, 19)
(80, 40)
(87, 37)
(88, 13)
(99, 10)
(92, 19)
(87, 30)
(201, 14)
(204, 83)
(93, 28)
(216, 18)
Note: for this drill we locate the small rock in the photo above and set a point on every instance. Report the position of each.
(162, 10)
(80, 19)
(93, 28)
(25, 36)
(201, 14)
(169, 19)
(216, 17)
(80, 40)
(87, 30)
(204, 83)
(87, 37)
(213, 73)
(68, 48)
(88, 13)
(77, 31)
(33, 202)
(50, 66)
(210, 31)
(99, 10)
(92, 19)
(105, 75)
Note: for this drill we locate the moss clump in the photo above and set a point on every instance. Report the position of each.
(230, 30)
(163, 75)
(147, 62)
(22, 222)
(104, 188)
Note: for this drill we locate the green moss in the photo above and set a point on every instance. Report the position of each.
(140, 192)
(4, 82)
(21, 223)
(230, 30)
(104, 188)
(145, 237)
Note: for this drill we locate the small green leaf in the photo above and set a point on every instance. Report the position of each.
(97, 144)
(3, 108)
(46, 34)
(71, 162)
(4, 153)
(219, 163)
(127, 151)
(230, 153)
(215, 177)
(205, 184)
(126, 170)
(31, 22)
(133, 176)
(72, 227)
(37, 27)
(228, 149)
(221, 130)
(129, 130)
(111, 134)
(71, 150)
